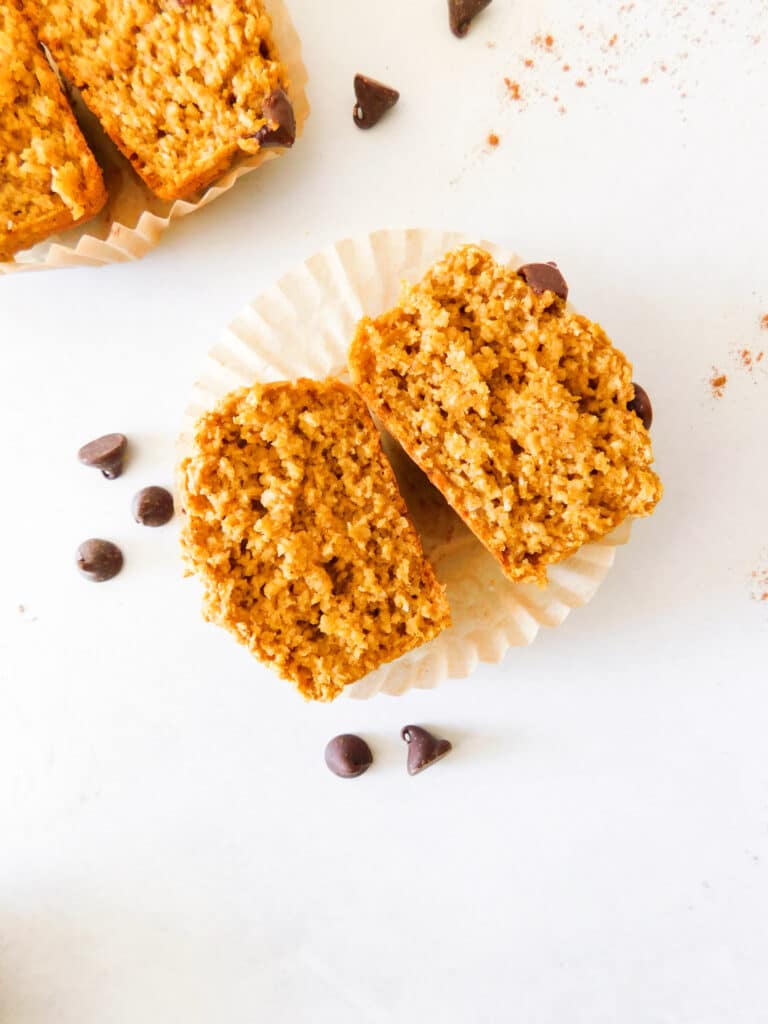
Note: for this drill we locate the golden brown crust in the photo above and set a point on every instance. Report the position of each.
(179, 85)
(514, 407)
(50, 179)
(296, 527)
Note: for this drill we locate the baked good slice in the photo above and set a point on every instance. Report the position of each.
(181, 86)
(50, 179)
(296, 527)
(514, 406)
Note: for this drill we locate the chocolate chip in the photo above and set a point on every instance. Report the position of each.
(348, 756)
(424, 749)
(461, 13)
(280, 129)
(153, 506)
(99, 560)
(374, 99)
(544, 277)
(105, 453)
(641, 406)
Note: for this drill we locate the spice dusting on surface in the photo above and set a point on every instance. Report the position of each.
(615, 47)
(493, 140)
(717, 383)
(764, 322)
(513, 88)
(760, 585)
(749, 359)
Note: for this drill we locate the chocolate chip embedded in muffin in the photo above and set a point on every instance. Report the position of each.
(99, 560)
(153, 506)
(461, 13)
(348, 756)
(641, 406)
(280, 129)
(106, 453)
(424, 749)
(544, 277)
(374, 99)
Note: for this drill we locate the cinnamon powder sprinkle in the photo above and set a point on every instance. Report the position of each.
(513, 88)
(717, 383)
(493, 139)
(760, 591)
(580, 83)
(764, 322)
(749, 359)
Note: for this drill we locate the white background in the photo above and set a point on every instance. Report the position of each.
(595, 849)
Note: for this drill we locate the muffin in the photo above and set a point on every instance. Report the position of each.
(296, 527)
(514, 406)
(181, 87)
(50, 179)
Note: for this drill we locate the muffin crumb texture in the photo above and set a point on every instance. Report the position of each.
(514, 406)
(179, 85)
(297, 529)
(50, 179)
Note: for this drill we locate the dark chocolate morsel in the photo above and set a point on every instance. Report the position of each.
(461, 13)
(99, 560)
(348, 756)
(544, 277)
(374, 99)
(105, 453)
(641, 406)
(280, 129)
(153, 506)
(424, 749)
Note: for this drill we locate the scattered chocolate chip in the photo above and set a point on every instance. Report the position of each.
(641, 406)
(153, 506)
(544, 277)
(374, 99)
(280, 129)
(348, 756)
(99, 560)
(105, 453)
(424, 749)
(461, 13)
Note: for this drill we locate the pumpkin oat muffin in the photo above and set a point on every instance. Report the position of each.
(50, 179)
(181, 86)
(296, 527)
(514, 406)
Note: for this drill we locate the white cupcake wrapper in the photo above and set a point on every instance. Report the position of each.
(302, 327)
(134, 220)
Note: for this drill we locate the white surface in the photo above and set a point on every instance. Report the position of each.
(596, 847)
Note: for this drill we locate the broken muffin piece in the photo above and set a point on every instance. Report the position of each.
(50, 179)
(514, 406)
(296, 527)
(182, 88)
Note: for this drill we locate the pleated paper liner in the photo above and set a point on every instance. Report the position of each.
(302, 327)
(134, 220)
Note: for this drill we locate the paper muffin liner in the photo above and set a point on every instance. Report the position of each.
(302, 327)
(134, 220)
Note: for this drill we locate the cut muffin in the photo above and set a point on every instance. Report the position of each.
(50, 179)
(181, 86)
(514, 406)
(296, 527)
